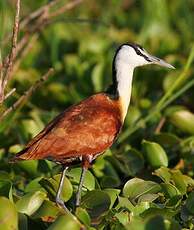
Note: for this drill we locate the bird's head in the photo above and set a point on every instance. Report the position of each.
(134, 55)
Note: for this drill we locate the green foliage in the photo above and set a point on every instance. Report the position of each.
(155, 154)
(146, 179)
(8, 214)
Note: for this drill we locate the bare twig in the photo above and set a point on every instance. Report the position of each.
(47, 18)
(10, 93)
(36, 13)
(21, 44)
(26, 94)
(38, 19)
(70, 5)
(12, 54)
(160, 125)
(24, 52)
(43, 18)
(29, 18)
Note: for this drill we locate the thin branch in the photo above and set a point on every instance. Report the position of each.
(70, 5)
(24, 52)
(35, 14)
(26, 94)
(160, 125)
(12, 52)
(47, 18)
(41, 21)
(29, 18)
(10, 93)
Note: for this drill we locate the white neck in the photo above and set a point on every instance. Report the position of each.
(124, 76)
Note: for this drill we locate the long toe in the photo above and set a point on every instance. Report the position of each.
(60, 203)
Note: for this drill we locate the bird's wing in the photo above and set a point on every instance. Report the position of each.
(87, 128)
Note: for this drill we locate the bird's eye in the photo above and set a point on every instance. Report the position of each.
(138, 52)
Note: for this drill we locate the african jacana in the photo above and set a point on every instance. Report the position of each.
(86, 130)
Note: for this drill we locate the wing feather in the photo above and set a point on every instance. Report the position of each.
(87, 128)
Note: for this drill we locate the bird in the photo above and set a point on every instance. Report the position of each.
(85, 130)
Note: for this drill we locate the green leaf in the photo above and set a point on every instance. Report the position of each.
(89, 180)
(190, 203)
(155, 221)
(185, 214)
(110, 177)
(132, 116)
(131, 161)
(83, 216)
(148, 197)
(178, 179)
(51, 186)
(15, 148)
(155, 154)
(34, 185)
(174, 202)
(100, 163)
(135, 188)
(136, 223)
(169, 190)
(29, 166)
(67, 190)
(167, 139)
(96, 202)
(4, 175)
(113, 194)
(123, 217)
(8, 215)
(109, 181)
(48, 211)
(171, 224)
(6, 189)
(30, 127)
(188, 180)
(184, 120)
(30, 202)
(155, 211)
(125, 203)
(23, 222)
(65, 222)
(163, 173)
(140, 208)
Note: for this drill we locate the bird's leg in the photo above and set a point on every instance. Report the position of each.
(78, 195)
(59, 201)
(85, 165)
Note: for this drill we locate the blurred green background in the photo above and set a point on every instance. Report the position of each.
(157, 143)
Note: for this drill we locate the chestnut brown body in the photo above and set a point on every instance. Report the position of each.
(88, 128)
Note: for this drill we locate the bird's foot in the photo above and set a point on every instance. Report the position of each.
(61, 204)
